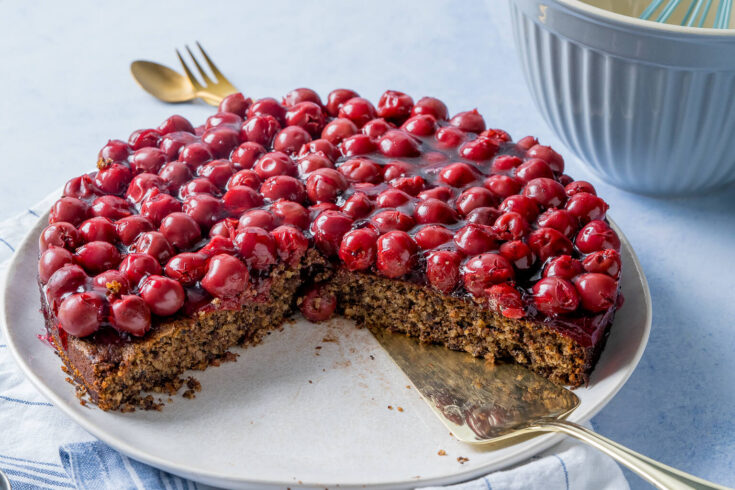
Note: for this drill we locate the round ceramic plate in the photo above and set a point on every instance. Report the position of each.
(309, 406)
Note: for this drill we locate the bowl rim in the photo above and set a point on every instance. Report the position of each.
(600, 14)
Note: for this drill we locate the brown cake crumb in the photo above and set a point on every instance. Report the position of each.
(400, 409)
(114, 287)
(442, 452)
(189, 394)
(462, 459)
(193, 384)
(390, 407)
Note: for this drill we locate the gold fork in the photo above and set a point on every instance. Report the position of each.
(211, 92)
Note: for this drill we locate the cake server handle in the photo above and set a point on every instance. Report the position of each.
(658, 474)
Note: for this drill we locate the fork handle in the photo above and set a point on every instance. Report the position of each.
(658, 474)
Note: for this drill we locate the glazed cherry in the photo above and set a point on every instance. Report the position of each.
(396, 143)
(586, 207)
(322, 146)
(163, 295)
(205, 209)
(226, 228)
(98, 229)
(81, 313)
(256, 246)
(114, 151)
(200, 186)
(484, 270)
(396, 168)
(128, 229)
(290, 139)
(153, 243)
(597, 292)
(143, 138)
(458, 174)
(260, 130)
(502, 185)
(236, 104)
(443, 193)
(511, 226)
(395, 254)
(410, 185)
(359, 249)
(221, 140)
(247, 178)
(548, 242)
(483, 216)
(218, 172)
(306, 115)
(338, 130)
(565, 180)
(137, 266)
(432, 236)
(479, 149)
(337, 98)
(555, 296)
(358, 144)
(563, 266)
(180, 230)
(328, 229)
(175, 174)
(358, 110)
(318, 304)
(313, 161)
(70, 210)
(187, 268)
(518, 253)
(361, 170)
(597, 235)
(258, 217)
(545, 153)
(291, 213)
(195, 155)
(559, 219)
(357, 206)
(474, 197)
(172, 143)
(240, 198)
(394, 105)
(299, 95)
(157, 206)
(112, 207)
(223, 118)
(431, 107)
(267, 106)
(548, 193)
(218, 245)
(376, 128)
(434, 211)
(175, 123)
(473, 239)
(526, 142)
(507, 300)
(470, 121)
(522, 205)
(505, 163)
(533, 169)
(448, 137)
(245, 155)
(442, 270)
(420, 125)
(578, 186)
(148, 160)
(131, 315)
(112, 282)
(390, 220)
(283, 187)
(113, 178)
(498, 135)
(226, 277)
(82, 187)
(324, 185)
(52, 260)
(291, 244)
(67, 279)
(392, 198)
(274, 163)
(141, 186)
(97, 256)
(604, 262)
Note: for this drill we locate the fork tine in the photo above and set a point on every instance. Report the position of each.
(189, 74)
(212, 66)
(204, 75)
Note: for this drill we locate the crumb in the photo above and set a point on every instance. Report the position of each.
(189, 394)
(390, 407)
(442, 452)
(462, 459)
(169, 399)
(372, 357)
(318, 347)
(65, 369)
(193, 384)
(329, 338)
(408, 387)
(316, 353)
(400, 409)
(451, 435)
(310, 382)
(324, 370)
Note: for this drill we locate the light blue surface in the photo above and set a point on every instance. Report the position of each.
(66, 89)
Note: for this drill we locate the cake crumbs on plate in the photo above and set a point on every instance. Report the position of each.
(390, 407)
(462, 459)
(442, 452)
(311, 382)
(400, 409)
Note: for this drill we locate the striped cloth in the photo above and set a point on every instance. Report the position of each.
(41, 448)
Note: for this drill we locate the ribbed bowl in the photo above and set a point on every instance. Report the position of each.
(650, 107)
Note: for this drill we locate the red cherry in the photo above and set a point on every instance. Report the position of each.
(390, 220)
(410, 185)
(395, 254)
(227, 277)
(270, 106)
(337, 98)
(597, 235)
(313, 161)
(358, 144)
(299, 95)
(586, 207)
(114, 151)
(260, 130)
(245, 155)
(157, 206)
(565, 180)
(507, 300)
(81, 313)
(578, 186)
(361, 170)
(376, 128)
(548, 242)
(396, 143)
(130, 314)
(597, 292)
(498, 135)
(246, 177)
(173, 143)
(392, 198)
(324, 185)
(221, 119)
(396, 168)
(479, 149)
(358, 110)
(290, 243)
(434, 211)
(441, 192)
(218, 172)
(128, 229)
(547, 154)
(307, 115)
(113, 179)
(474, 197)
(218, 245)
(112, 282)
(359, 249)
(484, 270)
(221, 140)
(97, 256)
(502, 185)
(291, 213)
(180, 230)
(290, 139)
(137, 266)
(283, 187)
(163, 295)
(338, 130)
(235, 103)
(548, 193)
(154, 244)
(448, 137)
(458, 174)
(70, 210)
(505, 163)
(274, 163)
(518, 253)
(420, 125)
(357, 206)
(98, 229)
(522, 205)
(563, 266)
(328, 229)
(555, 296)
(320, 146)
(199, 186)
(473, 239)
(604, 262)
(82, 187)
(175, 174)
(431, 236)
(141, 186)
(226, 228)
(52, 260)
(483, 216)
(318, 304)
(111, 207)
(187, 268)
(257, 247)
(143, 138)
(395, 105)
(432, 107)
(148, 160)
(560, 220)
(241, 198)
(470, 121)
(205, 209)
(442, 270)
(258, 217)
(526, 142)
(511, 226)
(67, 279)
(533, 169)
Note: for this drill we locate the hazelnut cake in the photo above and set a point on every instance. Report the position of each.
(189, 240)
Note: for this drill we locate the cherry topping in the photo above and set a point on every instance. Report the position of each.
(502, 185)
(358, 110)
(604, 262)
(474, 197)
(376, 128)
(163, 295)
(290, 243)
(67, 279)
(257, 217)
(290, 140)
(410, 185)
(518, 253)
(143, 138)
(479, 149)
(148, 160)
(443, 193)
(555, 296)
(136, 266)
(431, 236)
(322, 146)
(442, 270)
(545, 153)
(81, 313)
(458, 174)
(52, 260)
(361, 170)
(394, 169)
(241, 198)
(420, 125)
(597, 292)
(235, 103)
(586, 207)
(548, 242)
(473, 239)
(114, 151)
(597, 235)
(299, 95)
(257, 247)
(313, 161)
(111, 207)
(112, 282)
(98, 229)
(511, 226)
(274, 163)
(395, 254)
(221, 140)
(180, 230)
(205, 209)
(484, 270)
(390, 220)
(338, 130)
(260, 130)
(434, 211)
(357, 206)
(113, 179)
(172, 143)
(200, 186)
(97, 256)
(306, 115)
(154, 244)
(470, 121)
(359, 249)
(522, 205)
(129, 228)
(505, 163)
(283, 187)
(548, 193)
(318, 304)
(130, 314)
(578, 186)
(483, 216)
(563, 266)
(328, 229)
(533, 169)
(82, 187)
(218, 172)
(141, 186)
(269, 106)
(449, 137)
(226, 277)
(394, 105)
(223, 118)
(155, 207)
(560, 220)
(507, 299)
(358, 144)
(175, 174)
(70, 210)
(526, 142)
(337, 98)
(324, 185)
(218, 245)
(291, 213)
(432, 107)
(246, 177)
(245, 155)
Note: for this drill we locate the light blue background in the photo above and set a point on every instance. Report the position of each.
(66, 89)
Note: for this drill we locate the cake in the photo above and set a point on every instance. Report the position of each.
(188, 241)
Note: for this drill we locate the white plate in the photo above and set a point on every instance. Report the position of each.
(288, 414)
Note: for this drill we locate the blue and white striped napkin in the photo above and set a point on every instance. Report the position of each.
(41, 448)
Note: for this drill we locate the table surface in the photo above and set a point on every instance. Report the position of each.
(67, 89)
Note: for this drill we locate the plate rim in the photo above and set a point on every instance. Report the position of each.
(534, 445)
